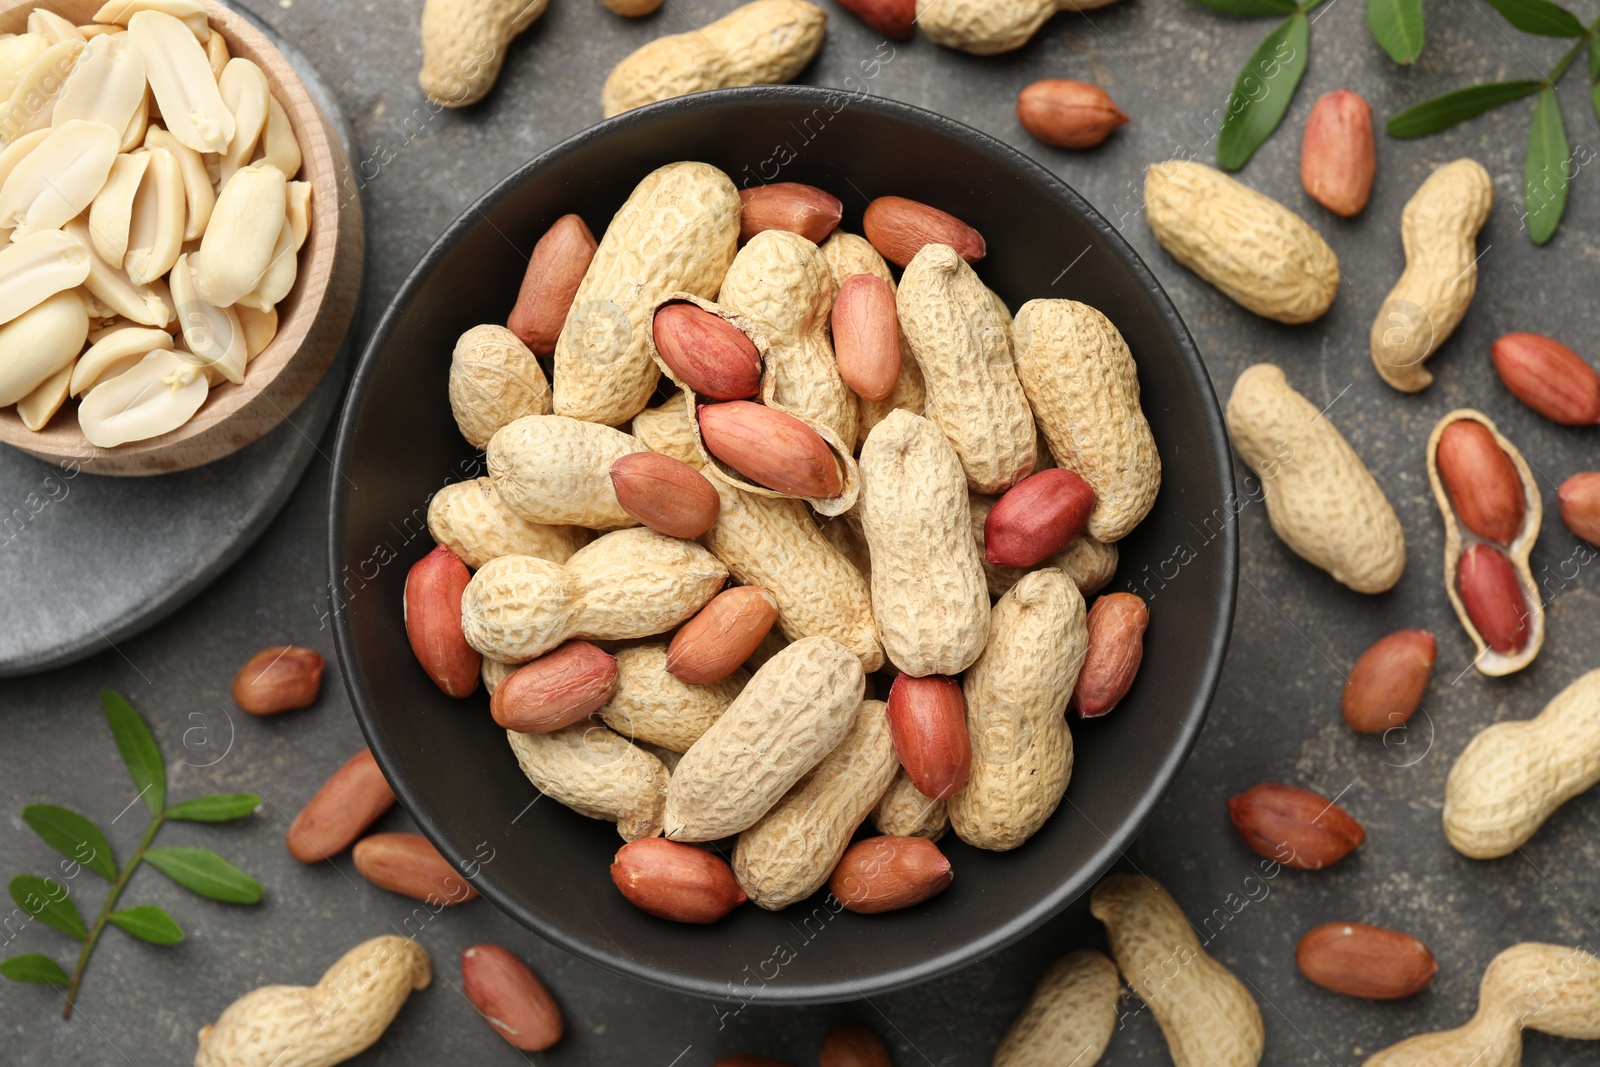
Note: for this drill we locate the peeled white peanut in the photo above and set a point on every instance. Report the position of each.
(111, 288)
(159, 394)
(260, 327)
(37, 344)
(59, 179)
(214, 334)
(17, 150)
(198, 195)
(100, 312)
(285, 266)
(52, 27)
(138, 125)
(181, 79)
(112, 211)
(114, 351)
(16, 55)
(106, 85)
(155, 233)
(33, 99)
(237, 247)
(244, 91)
(278, 144)
(191, 13)
(38, 267)
(38, 407)
(217, 53)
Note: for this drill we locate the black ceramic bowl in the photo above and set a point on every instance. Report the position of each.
(548, 867)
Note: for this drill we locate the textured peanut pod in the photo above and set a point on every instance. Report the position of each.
(849, 254)
(1207, 1015)
(471, 520)
(678, 231)
(717, 468)
(844, 533)
(556, 471)
(790, 851)
(494, 380)
(929, 593)
(987, 27)
(493, 672)
(1255, 250)
(1089, 563)
(1016, 696)
(317, 1026)
(1553, 989)
(464, 42)
(1514, 775)
(781, 282)
(1458, 540)
(963, 346)
(903, 811)
(1439, 229)
(1070, 1017)
(651, 705)
(627, 584)
(762, 43)
(1321, 499)
(773, 542)
(1084, 389)
(792, 713)
(596, 773)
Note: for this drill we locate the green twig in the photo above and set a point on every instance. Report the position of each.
(106, 910)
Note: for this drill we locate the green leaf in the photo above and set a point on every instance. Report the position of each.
(1594, 60)
(1251, 7)
(1540, 17)
(139, 750)
(1594, 98)
(40, 970)
(1397, 25)
(1457, 106)
(1548, 171)
(48, 901)
(218, 807)
(73, 836)
(148, 923)
(202, 871)
(1262, 94)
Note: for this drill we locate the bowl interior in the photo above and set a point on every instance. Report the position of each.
(449, 763)
(287, 355)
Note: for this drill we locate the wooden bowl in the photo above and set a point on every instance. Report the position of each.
(312, 320)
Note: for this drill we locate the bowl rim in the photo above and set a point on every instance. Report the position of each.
(1072, 886)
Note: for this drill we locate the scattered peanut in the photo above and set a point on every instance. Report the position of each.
(510, 998)
(1579, 497)
(464, 43)
(280, 678)
(1549, 377)
(352, 799)
(321, 1025)
(1514, 775)
(1365, 961)
(1439, 228)
(1068, 114)
(1070, 1017)
(853, 1045)
(408, 864)
(1295, 827)
(1260, 254)
(1549, 988)
(1205, 1012)
(1321, 499)
(1089, 563)
(892, 18)
(761, 43)
(1385, 686)
(1338, 159)
(985, 28)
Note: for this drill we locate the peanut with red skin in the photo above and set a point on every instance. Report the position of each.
(561, 687)
(555, 270)
(510, 998)
(1493, 597)
(713, 644)
(853, 1045)
(1365, 961)
(802, 209)
(280, 678)
(772, 448)
(432, 610)
(1116, 624)
(866, 336)
(674, 881)
(882, 874)
(928, 717)
(665, 494)
(899, 228)
(1483, 482)
(1036, 518)
(1068, 114)
(1338, 158)
(708, 354)
(352, 799)
(1549, 377)
(1386, 684)
(892, 18)
(1294, 826)
(408, 864)
(1579, 496)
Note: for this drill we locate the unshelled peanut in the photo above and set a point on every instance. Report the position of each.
(471, 520)
(1070, 1017)
(596, 773)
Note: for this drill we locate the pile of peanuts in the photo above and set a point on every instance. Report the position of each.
(872, 464)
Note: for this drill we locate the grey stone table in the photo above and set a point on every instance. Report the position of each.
(1169, 64)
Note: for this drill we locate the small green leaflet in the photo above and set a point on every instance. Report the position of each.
(139, 750)
(1594, 60)
(1540, 17)
(1251, 7)
(218, 807)
(1548, 171)
(202, 871)
(41, 970)
(1261, 95)
(1457, 106)
(148, 923)
(47, 900)
(73, 836)
(1397, 26)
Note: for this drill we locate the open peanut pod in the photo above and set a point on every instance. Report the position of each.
(756, 390)
(1492, 511)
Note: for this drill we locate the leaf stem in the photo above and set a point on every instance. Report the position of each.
(106, 909)
(1560, 68)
